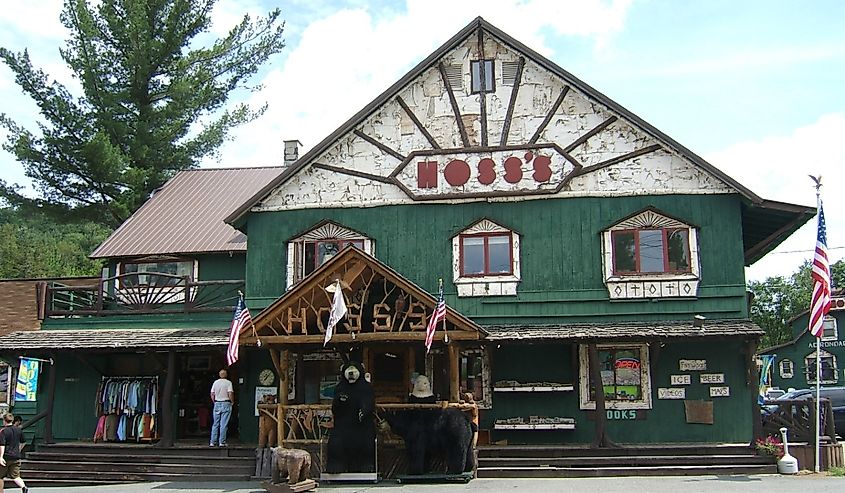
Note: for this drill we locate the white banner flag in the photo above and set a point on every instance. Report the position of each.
(337, 313)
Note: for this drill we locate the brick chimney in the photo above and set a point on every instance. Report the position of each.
(291, 151)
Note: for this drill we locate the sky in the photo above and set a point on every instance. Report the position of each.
(754, 87)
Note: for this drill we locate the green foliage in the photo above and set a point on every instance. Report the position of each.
(153, 103)
(35, 246)
(836, 471)
(778, 299)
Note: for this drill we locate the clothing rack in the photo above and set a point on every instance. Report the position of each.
(127, 408)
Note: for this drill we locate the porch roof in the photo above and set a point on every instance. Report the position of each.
(297, 316)
(625, 331)
(110, 340)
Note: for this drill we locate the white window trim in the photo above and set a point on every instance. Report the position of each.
(584, 380)
(822, 354)
(498, 285)
(653, 285)
(783, 372)
(326, 231)
(835, 335)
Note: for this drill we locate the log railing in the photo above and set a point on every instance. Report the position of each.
(798, 416)
(309, 423)
(138, 293)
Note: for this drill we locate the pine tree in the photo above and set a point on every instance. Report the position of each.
(154, 103)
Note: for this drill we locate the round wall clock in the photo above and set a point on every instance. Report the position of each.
(266, 377)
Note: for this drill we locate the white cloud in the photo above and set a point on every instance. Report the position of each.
(776, 168)
(346, 59)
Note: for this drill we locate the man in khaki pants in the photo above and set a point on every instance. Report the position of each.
(11, 443)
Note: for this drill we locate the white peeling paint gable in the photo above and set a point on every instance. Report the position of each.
(595, 151)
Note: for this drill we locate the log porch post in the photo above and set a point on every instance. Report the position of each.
(454, 372)
(51, 394)
(284, 361)
(166, 439)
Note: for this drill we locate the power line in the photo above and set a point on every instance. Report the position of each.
(807, 251)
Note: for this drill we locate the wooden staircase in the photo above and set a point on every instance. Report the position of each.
(78, 464)
(534, 461)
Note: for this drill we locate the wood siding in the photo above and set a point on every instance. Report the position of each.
(561, 254)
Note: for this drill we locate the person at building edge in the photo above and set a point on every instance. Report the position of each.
(11, 439)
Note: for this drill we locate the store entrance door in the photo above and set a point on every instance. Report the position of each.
(194, 416)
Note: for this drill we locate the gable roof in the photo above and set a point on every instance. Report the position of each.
(186, 214)
(765, 223)
(360, 275)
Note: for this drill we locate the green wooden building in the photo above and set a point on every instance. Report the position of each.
(561, 224)
(794, 363)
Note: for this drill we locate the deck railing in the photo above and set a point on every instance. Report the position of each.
(310, 423)
(138, 293)
(798, 416)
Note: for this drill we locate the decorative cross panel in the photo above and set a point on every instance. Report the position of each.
(381, 306)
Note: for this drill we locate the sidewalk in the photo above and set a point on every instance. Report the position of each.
(672, 484)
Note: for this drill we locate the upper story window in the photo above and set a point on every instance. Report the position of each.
(647, 251)
(476, 68)
(830, 330)
(828, 366)
(787, 369)
(650, 255)
(156, 272)
(310, 250)
(486, 260)
(486, 254)
(625, 377)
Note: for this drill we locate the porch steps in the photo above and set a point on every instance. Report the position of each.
(95, 464)
(516, 461)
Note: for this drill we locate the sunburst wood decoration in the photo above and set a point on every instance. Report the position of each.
(529, 129)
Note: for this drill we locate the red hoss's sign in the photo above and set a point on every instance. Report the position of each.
(457, 172)
(474, 173)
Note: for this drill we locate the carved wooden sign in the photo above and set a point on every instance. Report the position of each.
(463, 173)
(680, 380)
(692, 364)
(720, 391)
(708, 378)
(671, 393)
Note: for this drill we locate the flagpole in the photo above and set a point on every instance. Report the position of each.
(818, 357)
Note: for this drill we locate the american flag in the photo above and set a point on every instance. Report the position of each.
(240, 320)
(438, 316)
(820, 303)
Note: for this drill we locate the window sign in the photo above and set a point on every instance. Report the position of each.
(681, 380)
(620, 374)
(720, 391)
(708, 378)
(672, 393)
(692, 364)
(625, 377)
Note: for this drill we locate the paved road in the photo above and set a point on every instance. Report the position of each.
(681, 484)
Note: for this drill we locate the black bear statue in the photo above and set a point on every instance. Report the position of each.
(429, 433)
(351, 446)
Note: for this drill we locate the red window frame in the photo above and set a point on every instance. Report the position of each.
(486, 237)
(665, 232)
